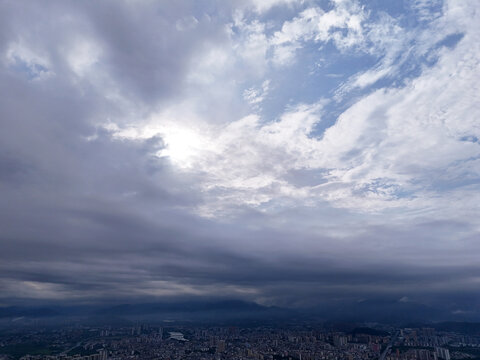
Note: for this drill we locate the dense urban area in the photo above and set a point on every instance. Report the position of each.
(142, 341)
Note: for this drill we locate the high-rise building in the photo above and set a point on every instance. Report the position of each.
(221, 346)
(339, 340)
(442, 353)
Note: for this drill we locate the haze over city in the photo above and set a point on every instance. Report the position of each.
(285, 154)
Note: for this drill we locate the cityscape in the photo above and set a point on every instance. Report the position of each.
(240, 180)
(291, 342)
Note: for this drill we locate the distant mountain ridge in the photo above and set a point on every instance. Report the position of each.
(201, 311)
(392, 312)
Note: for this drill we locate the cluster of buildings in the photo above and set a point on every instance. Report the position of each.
(420, 354)
(102, 355)
(428, 344)
(258, 343)
(232, 343)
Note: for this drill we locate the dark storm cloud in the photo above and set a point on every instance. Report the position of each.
(86, 216)
(67, 198)
(142, 50)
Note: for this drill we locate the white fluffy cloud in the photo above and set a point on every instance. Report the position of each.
(342, 25)
(262, 6)
(408, 147)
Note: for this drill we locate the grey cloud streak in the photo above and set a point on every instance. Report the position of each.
(89, 217)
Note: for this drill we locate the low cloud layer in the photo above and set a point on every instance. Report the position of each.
(286, 152)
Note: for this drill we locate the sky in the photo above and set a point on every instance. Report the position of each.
(288, 152)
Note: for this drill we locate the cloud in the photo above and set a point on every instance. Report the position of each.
(24, 60)
(262, 6)
(175, 150)
(255, 96)
(379, 154)
(342, 25)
